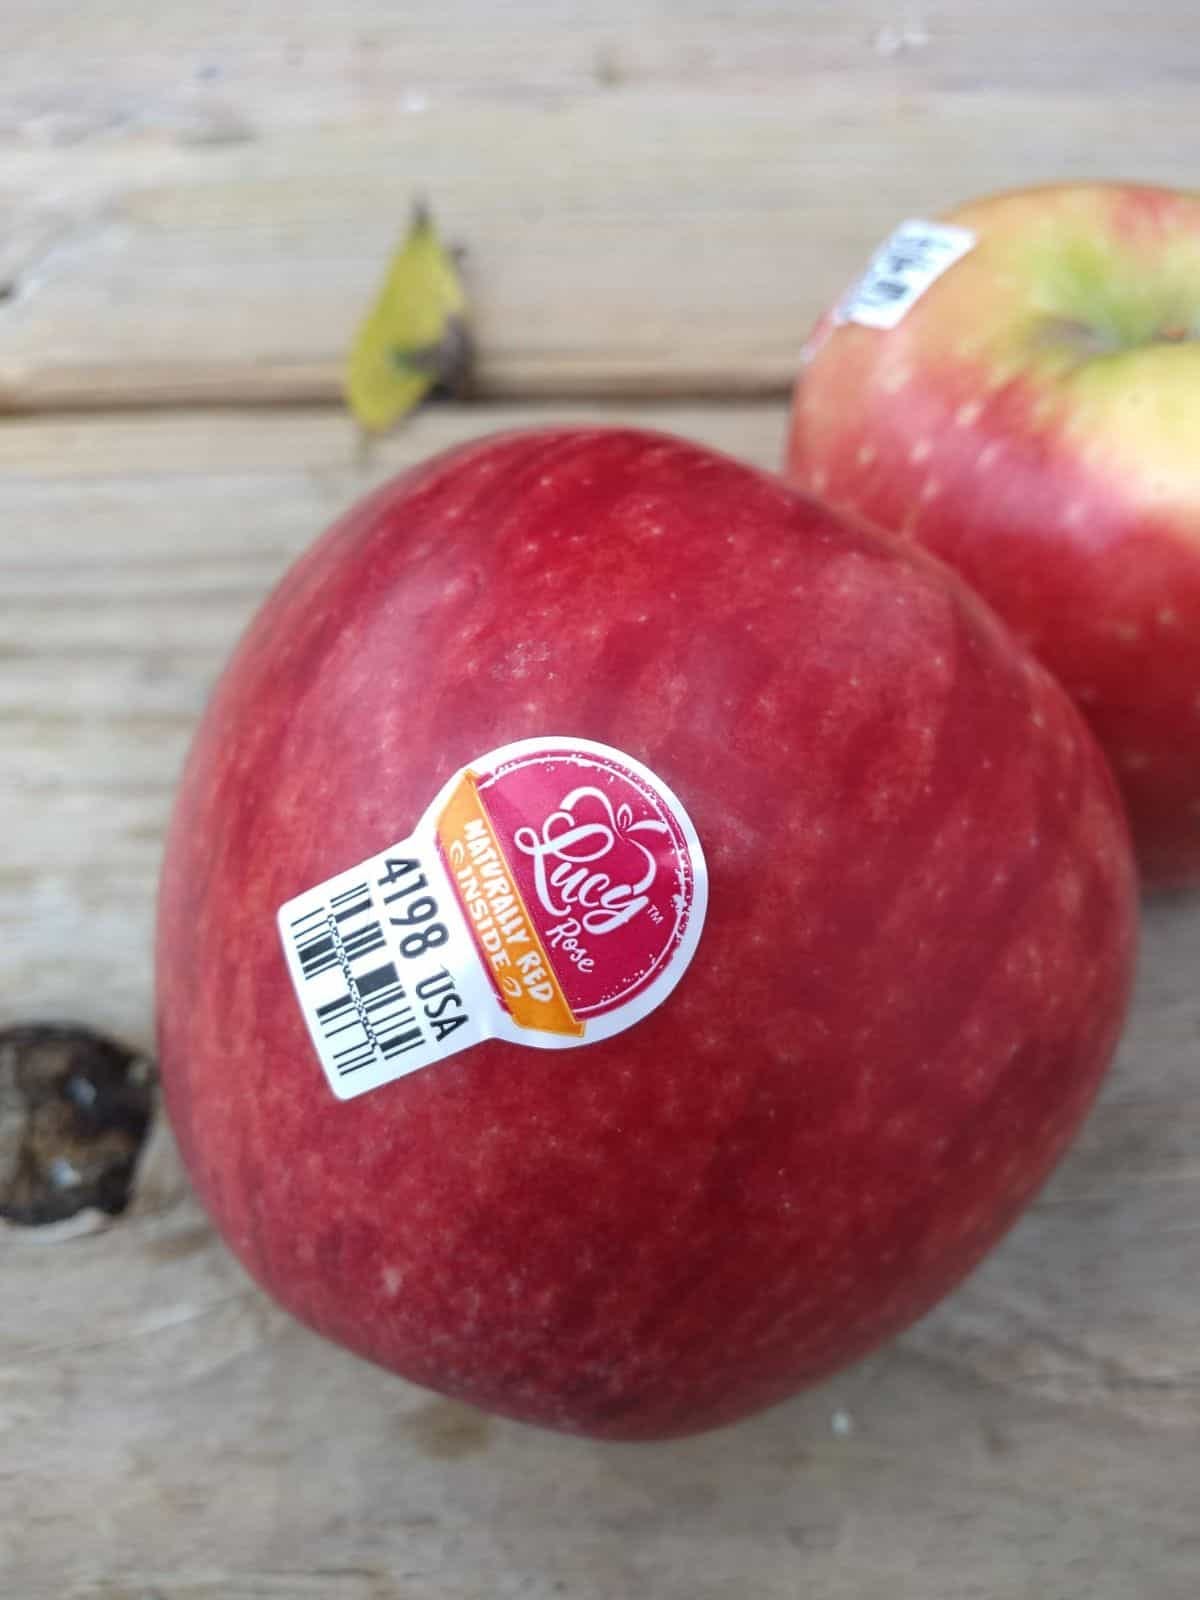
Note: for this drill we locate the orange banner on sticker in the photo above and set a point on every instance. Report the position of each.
(498, 917)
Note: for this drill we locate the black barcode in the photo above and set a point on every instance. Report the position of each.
(913, 251)
(878, 291)
(906, 257)
(372, 1015)
(320, 939)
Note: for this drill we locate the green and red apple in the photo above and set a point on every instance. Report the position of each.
(1028, 407)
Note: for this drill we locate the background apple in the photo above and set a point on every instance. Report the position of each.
(912, 974)
(1034, 418)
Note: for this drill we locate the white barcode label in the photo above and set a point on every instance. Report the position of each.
(901, 270)
(384, 968)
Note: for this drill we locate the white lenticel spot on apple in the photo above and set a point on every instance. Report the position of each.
(986, 456)
(1127, 632)
(1167, 618)
(866, 454)
(920, 451)
(930, 489)
(968, 413)
(819, 479)
(1135, 760)
(895, 380)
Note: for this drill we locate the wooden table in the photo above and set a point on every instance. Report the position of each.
(194, 203)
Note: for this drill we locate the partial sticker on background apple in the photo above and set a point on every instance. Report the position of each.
(553, 894)
(912, 258)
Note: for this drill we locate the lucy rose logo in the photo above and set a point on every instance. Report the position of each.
(582, 880)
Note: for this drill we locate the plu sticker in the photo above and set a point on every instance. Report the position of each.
(553, 894)
(908, 262)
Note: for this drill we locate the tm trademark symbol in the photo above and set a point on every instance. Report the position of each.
(655, 914)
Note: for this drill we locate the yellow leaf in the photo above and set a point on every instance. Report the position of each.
(415, 334)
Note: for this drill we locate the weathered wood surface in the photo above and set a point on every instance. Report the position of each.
(654, 201)
(196, 200)
(165, 1434)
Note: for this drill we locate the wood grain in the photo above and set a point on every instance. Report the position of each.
(197, 203)
(166, 1434)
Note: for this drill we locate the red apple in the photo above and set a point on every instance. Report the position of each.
(910, 978)
(1033, 416)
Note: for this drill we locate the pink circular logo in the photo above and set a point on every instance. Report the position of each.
(607, 864)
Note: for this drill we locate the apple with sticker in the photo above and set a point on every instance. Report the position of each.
(1016, 387)
(630, 938)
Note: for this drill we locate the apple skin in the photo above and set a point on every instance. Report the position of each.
(1034, 419)
(912, 975)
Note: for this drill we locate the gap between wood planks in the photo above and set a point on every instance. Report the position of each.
(148, 392)
(140, 444)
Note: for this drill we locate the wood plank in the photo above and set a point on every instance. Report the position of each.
(196, 212)
(83, 66)
(165, 1432)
